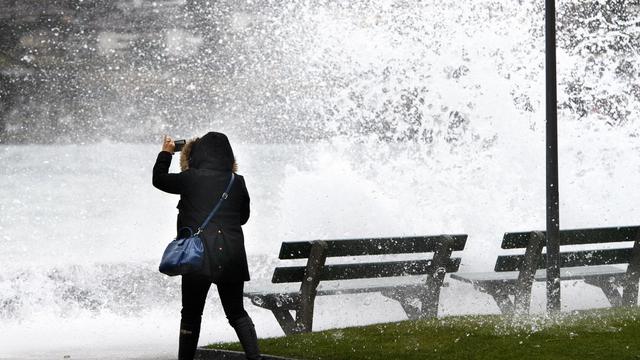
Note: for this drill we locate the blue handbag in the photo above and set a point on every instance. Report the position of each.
(186, 255)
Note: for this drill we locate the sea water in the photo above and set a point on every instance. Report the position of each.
(431, 121)
(82, 229)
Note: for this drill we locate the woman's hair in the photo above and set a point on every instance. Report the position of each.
(185, 156)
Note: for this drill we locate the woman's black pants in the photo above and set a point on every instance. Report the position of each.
(194, 295)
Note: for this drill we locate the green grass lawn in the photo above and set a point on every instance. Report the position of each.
(594, 334)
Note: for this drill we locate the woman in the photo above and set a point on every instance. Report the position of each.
(207, 164)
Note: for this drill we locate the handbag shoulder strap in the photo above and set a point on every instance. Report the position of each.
(213, 212)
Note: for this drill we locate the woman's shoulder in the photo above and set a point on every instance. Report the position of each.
(240, 178)
(209, 173)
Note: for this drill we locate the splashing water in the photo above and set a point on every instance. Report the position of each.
(384, 118)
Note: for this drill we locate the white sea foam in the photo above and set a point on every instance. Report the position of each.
(82, 228)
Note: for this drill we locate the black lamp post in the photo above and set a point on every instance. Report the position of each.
(553, 212)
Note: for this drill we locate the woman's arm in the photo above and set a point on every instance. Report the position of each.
(245, 211)
(171, 183)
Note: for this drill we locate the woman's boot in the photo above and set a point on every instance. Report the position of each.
(246, 332)
(188, 343)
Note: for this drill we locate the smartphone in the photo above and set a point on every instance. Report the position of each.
(179, 145)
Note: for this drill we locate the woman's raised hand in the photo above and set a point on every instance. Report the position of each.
(168, 145)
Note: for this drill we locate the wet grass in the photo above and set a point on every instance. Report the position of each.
(593, 334)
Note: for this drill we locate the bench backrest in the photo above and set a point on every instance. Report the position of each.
(595, 236)
(373, 246)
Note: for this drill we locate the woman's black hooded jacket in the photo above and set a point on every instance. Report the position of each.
(200, 187)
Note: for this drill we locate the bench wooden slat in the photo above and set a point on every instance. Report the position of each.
(342, 287)
(576, 237)
(574, 273)
(374, 246)
(569, 259)
(363, 270)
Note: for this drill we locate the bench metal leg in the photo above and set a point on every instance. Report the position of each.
(522, 299)
(431, 295)
(526, 276)
(501, 295)
(630, 292)
(281, 306)
(407, 299)
(505, 304)
(308, 288)
(609, 288)
(285, 320)
(630, 286)
(412, 311)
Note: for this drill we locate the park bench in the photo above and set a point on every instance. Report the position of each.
(415, 284)
(601, 265)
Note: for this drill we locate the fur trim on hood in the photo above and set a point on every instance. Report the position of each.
(185, 156)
